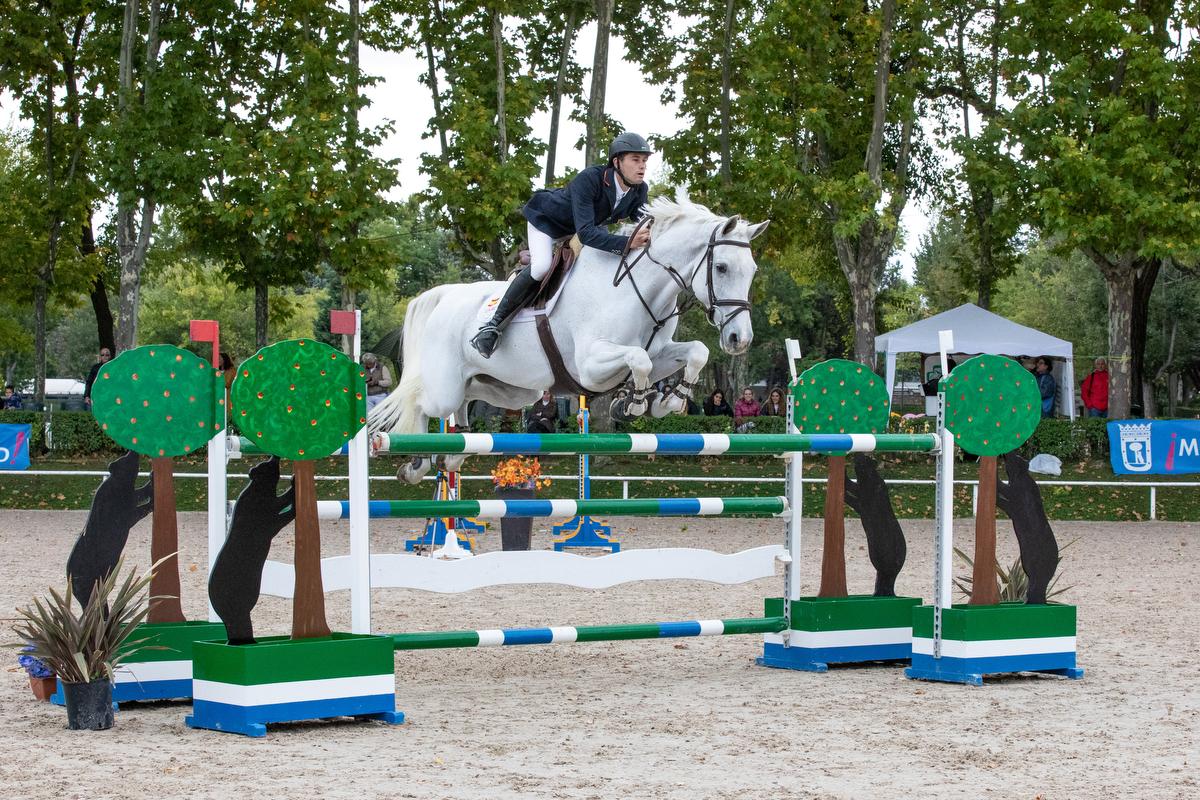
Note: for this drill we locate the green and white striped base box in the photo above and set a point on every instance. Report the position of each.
(241, 688)
(987, 640)
(162, 669)
(840, 630)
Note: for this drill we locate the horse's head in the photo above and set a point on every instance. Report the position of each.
(722, 281)
(711, 256)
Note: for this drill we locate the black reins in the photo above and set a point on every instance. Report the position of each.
(625, 270)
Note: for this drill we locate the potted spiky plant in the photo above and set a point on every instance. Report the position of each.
(84, 648)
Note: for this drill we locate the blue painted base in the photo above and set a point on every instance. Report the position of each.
(253, 720)
(435, 534)
(972, 670)
(135, 691)
(585, 532)
(818, 659)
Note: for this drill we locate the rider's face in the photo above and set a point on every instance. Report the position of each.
(633, 167)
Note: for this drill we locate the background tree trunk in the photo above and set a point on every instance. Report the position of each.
(595, 117)
(105, 336)
(564, 59)
(726, 176)
(261, 319)
(501, 118)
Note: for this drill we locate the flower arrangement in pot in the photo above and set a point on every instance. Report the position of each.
(517, 478)
(42, 680)
(84, 648)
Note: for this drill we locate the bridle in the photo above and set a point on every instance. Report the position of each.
(625, 270)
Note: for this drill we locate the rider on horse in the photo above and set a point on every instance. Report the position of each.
(599, 196)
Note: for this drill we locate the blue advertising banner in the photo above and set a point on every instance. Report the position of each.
(1166, 447)
(14, 447)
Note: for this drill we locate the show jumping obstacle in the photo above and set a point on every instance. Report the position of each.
(583, 531)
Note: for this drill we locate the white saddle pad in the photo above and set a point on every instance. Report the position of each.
(527, 314)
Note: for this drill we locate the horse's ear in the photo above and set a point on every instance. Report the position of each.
(730, 224)
(757, 230)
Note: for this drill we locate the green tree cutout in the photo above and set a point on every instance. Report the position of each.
(162, 402)
(992, 407)
(302, 400)
(838, 396)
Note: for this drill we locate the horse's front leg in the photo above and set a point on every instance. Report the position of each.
(694, 355)
(605, 358)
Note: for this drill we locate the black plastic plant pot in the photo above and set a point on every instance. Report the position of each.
(89, 705)
(516, 533)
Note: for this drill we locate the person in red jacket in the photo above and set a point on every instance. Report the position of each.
(1095, 390)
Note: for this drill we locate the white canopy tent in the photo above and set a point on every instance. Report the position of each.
(978, 331)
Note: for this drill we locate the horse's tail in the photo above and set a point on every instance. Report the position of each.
(400, 412)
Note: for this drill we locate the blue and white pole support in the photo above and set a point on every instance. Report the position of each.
(584, 531)
(795, 496)
(944, 513)
(360, 533)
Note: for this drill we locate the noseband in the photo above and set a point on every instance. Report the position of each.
(625, 269)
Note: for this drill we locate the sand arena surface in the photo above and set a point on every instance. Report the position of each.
(678, 718)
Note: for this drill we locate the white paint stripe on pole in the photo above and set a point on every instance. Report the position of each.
(643, 443)
(862, 442)
(711, 505)
(715, 444)
(563, 635)
(711, 627)
(563, 508)
(492, 509)
(491, 638)
(329, 509)
(478, 442)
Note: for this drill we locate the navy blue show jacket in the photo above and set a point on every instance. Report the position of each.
(585, 207)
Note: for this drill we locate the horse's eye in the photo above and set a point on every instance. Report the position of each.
(722, 269)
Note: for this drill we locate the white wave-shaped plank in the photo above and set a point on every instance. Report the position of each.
(503, 568)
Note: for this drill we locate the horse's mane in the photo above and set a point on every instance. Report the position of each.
(667, 211)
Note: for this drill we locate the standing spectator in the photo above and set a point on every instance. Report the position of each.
(774, 405)
(379, 380)
(715, 405)
(230, 371)
(105, 357)
(12, 400)
(543, 415)
(1047, 386)
(1095, 390)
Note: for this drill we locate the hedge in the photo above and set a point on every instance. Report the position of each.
(72, 433)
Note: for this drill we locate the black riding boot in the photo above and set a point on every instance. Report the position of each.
(520, 290)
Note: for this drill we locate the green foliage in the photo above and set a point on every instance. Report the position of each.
(677, 423)
(159, 400)
(992, 405)
(299, 399)
(78, 433)
(1069, 441)
(87, 646)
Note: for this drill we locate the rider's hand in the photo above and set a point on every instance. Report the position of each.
(641, 238)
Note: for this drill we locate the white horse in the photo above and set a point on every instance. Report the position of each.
(605, 332)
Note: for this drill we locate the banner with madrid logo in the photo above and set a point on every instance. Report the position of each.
(14, 446)
(1154, 447)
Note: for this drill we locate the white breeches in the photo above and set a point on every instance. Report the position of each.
(541, 250)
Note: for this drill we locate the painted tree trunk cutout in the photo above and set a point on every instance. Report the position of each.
(165, 605)
(868, 495)
(308, 600)
(833, 549)
(984, 589)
